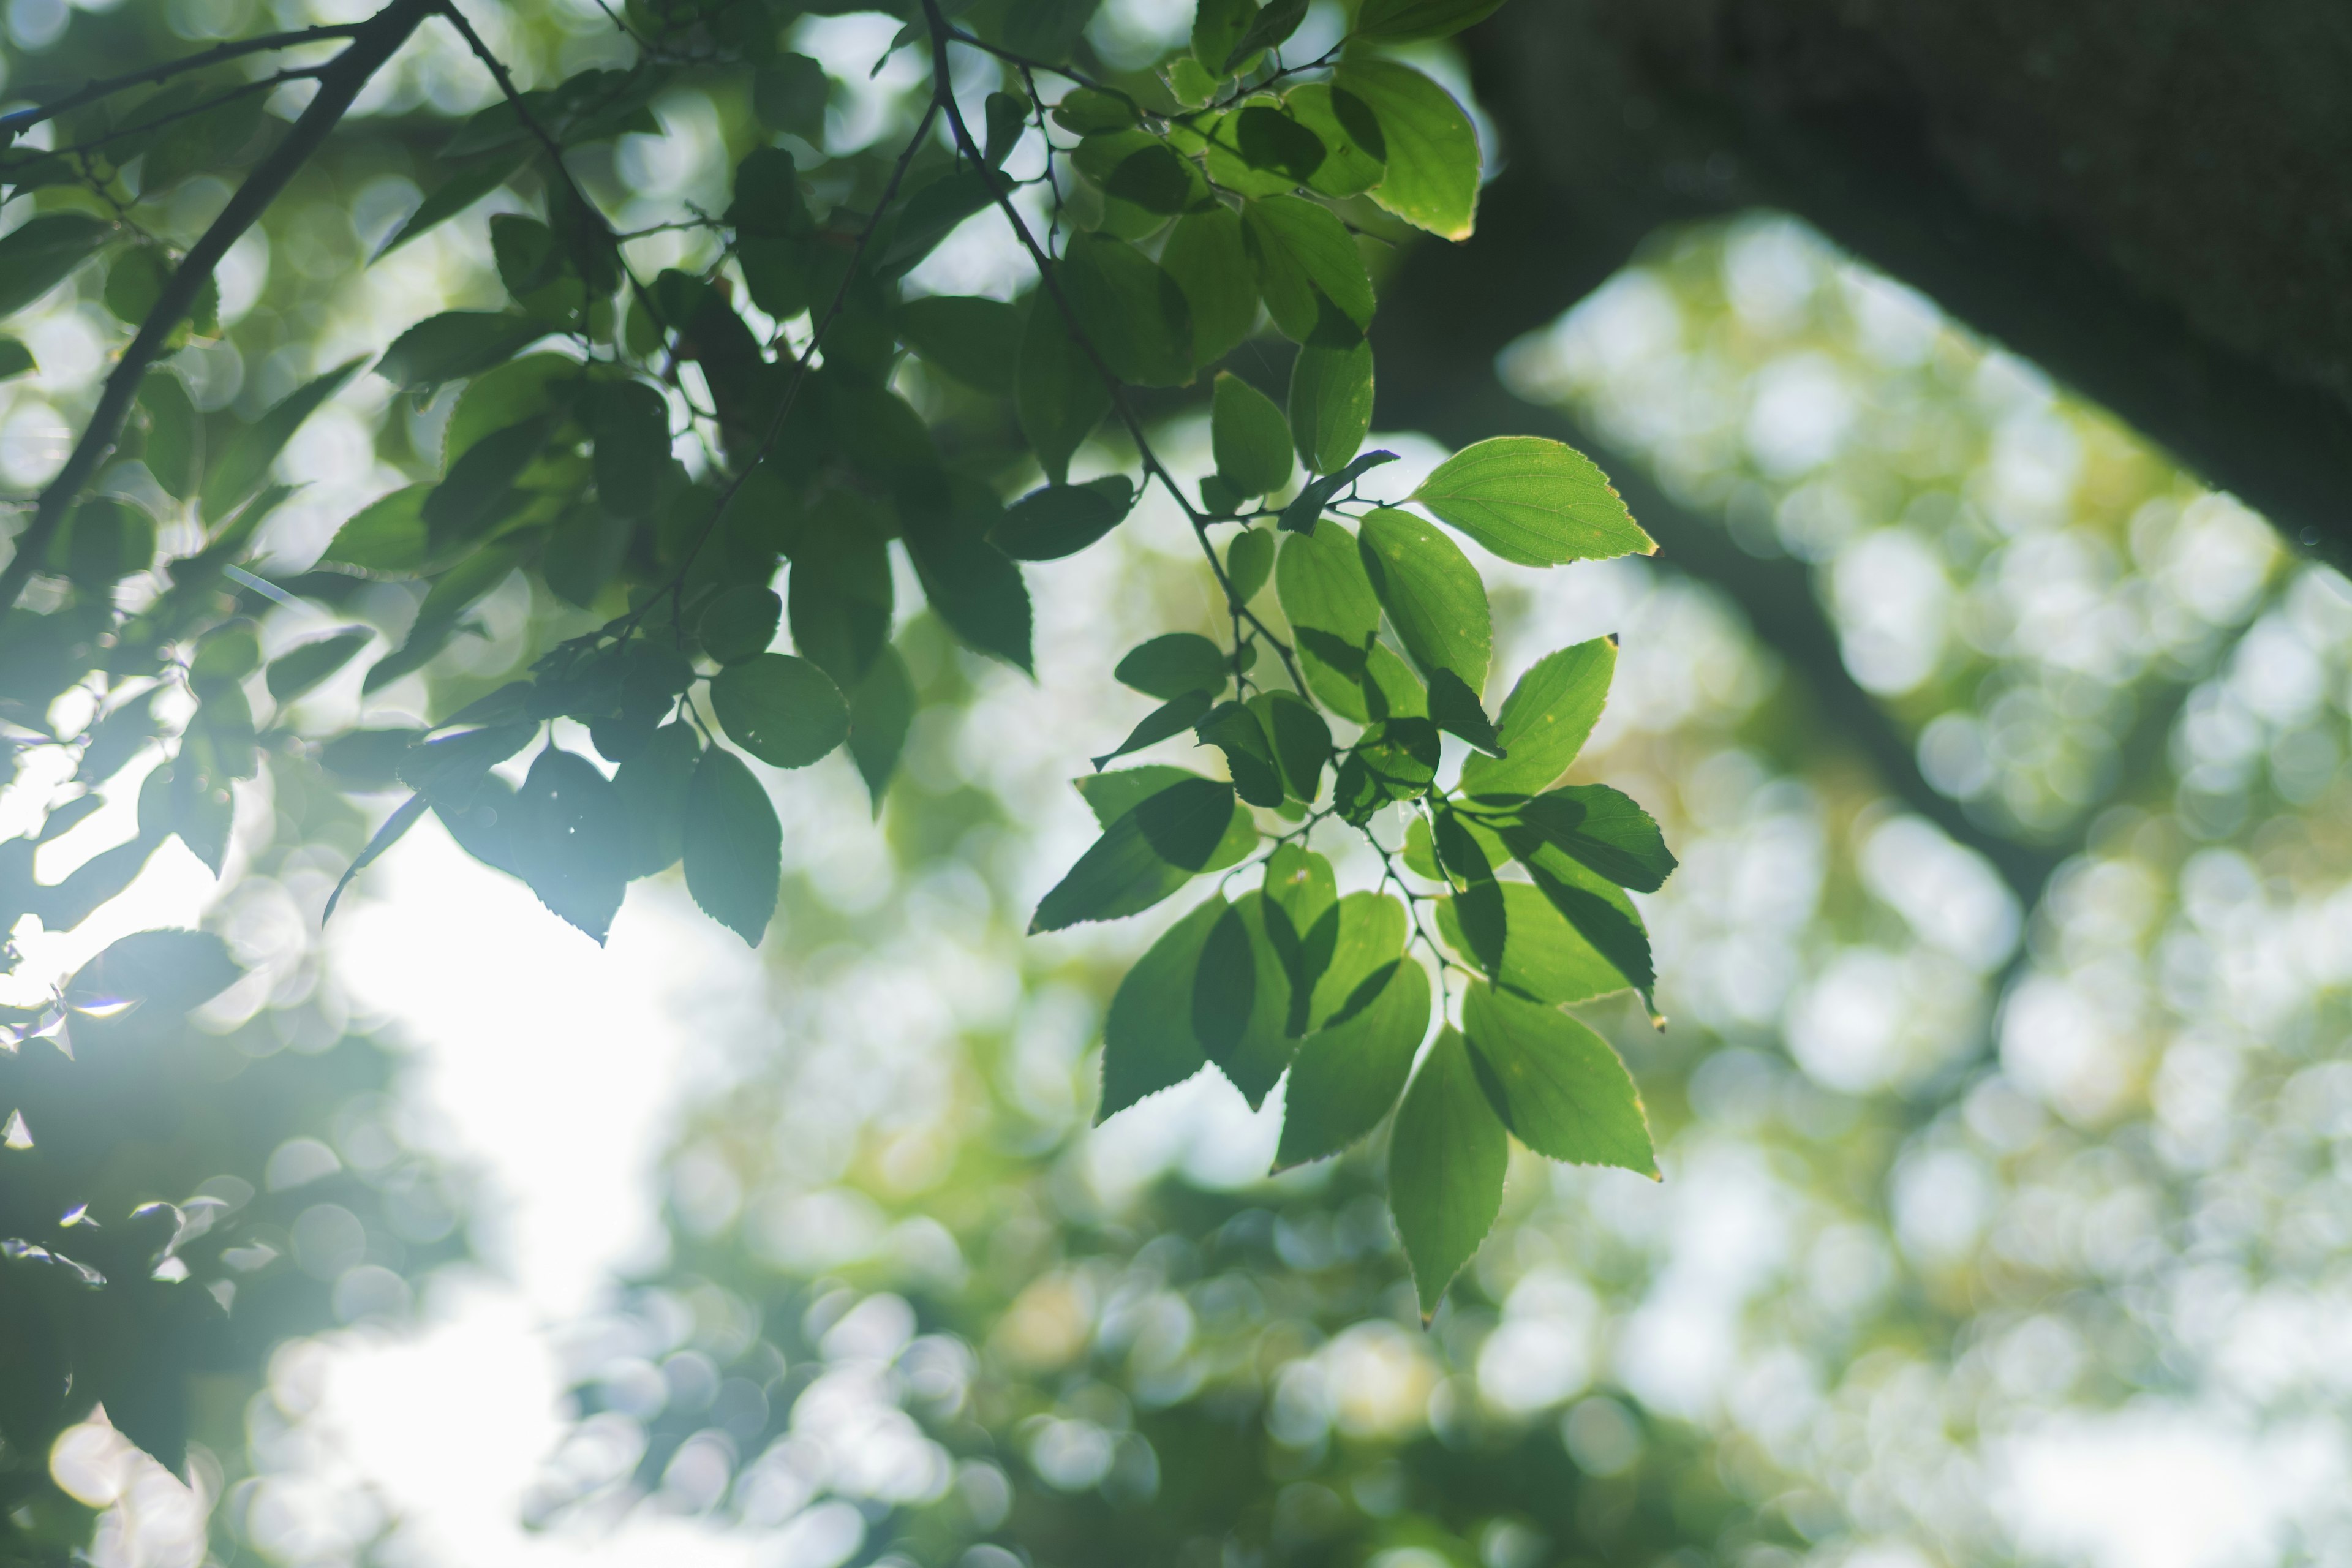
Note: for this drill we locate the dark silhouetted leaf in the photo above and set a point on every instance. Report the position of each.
(1240, 1001)
(1174, 663)
(1134, 312)
(395, 827)
(454, 346)
(740, 623)
(656, 787)
(734, 845)
(783, 710)
(448, 770)
(976, 340)
(569, 832)
(1154, 848)
(881, 711)
(1061, 519)
(39, 256)
(1148, 1039)
(1249, 437)
(1059, 394)
(1596, 825)
(1205, 255)
(305, 665)
(1175, 715)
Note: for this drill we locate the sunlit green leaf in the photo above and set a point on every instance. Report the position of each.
(1532, 501)
(1555, 1083)
(1174, 663)
(1432, 594)
(1446, 1159)
(1234, 728)
(1434, 164)
(1205, 255)
(1546, 720)
(1356, 156)
(1302, 254)
(1348, 1075)
(1543, 957)
(1594, 824)
(1332, 403)
(1240, 1001)
(1112, 795)
(1249, 437)
(1249, 561)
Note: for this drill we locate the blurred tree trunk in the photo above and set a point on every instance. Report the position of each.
(2149, 198)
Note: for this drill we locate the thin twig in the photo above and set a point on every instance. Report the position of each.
(338, 83)
(23, 119)
(944, 94)
(242, 89)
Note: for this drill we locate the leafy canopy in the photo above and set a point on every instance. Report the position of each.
(712, 464)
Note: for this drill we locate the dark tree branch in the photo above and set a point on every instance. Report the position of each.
(340, 81)
(23, 119)
(2145, 197)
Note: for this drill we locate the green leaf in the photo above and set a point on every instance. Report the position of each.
(1173, 663)
(1302, 923)
(584, 552)
(304, 666)
(1597, 825)
(976, 340)
(1249, 437)
(368, 759)
(1249, 561)
(977, 590)
(1058, 396)
(449, 770)
(1173, 717)
(1330, 408)
(1266, 30)
(1307, 506)
(1599, 910)
(1446, 1159)
(103, 540)
(1435, 164)
(1556, 1084)
(1206, 256)
(246, 456)
(1234, 728)
(454, 346)
(43, 253)
(1240, 1001)
(1534, 502)
(1546, 720)
(394, 828)
(1302, 254)
(1218, 28)
(524, 251)
(388, 535)
(1148, 1039)
(507, 395)
(1085, 112)
(1432, 594)
(740, 623)
(881, 711)
(475, 494)
(1008, 117)
(1113, 795)
(1131, 308)
(1061, 520)
(1481, 914)
(629, 423)
(931, 213)
(1347, 1075)
(1455, 709)
(175, 441)
(1370, 935)
(1543, 957)
(1399, 21)
(134, 281)
(783, 710)
(656, 787)
(734, 845)
(1261, 150)
(569, 833)
(790, 93)
(1356, 153)
(1301, 741)
(840, 595)
(1334, 614)
(452, 196)
(1155, 849)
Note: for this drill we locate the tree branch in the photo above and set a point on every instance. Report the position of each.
(23, 119)
(340, 81)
